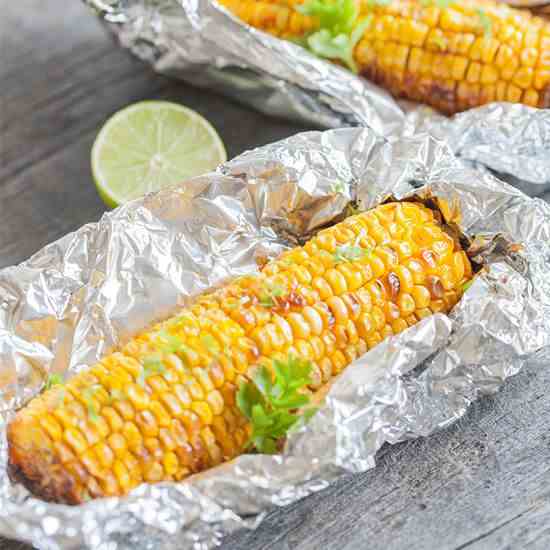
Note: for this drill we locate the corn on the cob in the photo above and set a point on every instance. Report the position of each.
(115, 425)
(466, 54)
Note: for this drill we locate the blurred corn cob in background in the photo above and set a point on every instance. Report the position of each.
(452, 55)
(164, 405)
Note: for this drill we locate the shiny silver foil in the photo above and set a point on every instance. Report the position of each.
(71, 302)
(203, 44)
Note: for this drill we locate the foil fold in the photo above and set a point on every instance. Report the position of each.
(90, 291)
(200, 42)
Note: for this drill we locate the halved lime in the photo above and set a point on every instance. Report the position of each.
(151, 145)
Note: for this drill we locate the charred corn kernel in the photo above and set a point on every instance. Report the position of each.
(437, 305)
(531, 98)
(450, 298)
(541, 79)
(448, 56)
(63, 452)
(167, 424)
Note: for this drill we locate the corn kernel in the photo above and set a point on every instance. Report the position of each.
(523, 77)
(513, 93)
(489, 75)
(531, 98)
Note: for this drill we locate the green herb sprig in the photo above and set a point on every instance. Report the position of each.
(437, 3)
(170, 343)
(350, 254)
(485, 22)
(53, 380)
(340, 29)
(271, 403)
(338, 188)
(268, 294)
(467, 285)
(152, 364)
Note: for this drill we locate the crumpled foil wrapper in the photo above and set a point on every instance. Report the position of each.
(71, 302)
(202, 43)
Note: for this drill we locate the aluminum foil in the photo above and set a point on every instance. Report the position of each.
(67, 305)
(203, 44)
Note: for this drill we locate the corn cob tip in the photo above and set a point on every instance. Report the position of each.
(36, 467)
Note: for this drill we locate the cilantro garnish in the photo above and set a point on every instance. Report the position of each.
(88, 395)
(349, 253)
(338, 187)
(211, 344)
(340, 29)
(271, 402)
(485, 22)
(268, 293)
(152, 364)
(53, 380)
(467, 285)
(170, 343)
(438, 3)
(56, 380)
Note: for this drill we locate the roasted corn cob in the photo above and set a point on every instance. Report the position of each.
(163, 406)
(463, 55)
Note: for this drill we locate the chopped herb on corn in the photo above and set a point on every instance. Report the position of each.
(450, 54)
(167, 404)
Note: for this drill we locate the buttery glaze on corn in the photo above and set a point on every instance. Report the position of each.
(467, 54)
(184, 419)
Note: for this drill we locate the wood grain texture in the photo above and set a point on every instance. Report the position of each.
(481, 484)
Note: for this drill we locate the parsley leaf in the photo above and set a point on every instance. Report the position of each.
(437, 3)
(211, 344)
(350, 253)
(485, 23)
(337, 16)
(467, 285)
(340, 29)
(170, 343)
(269, 291)
(270, 401)
(152, 364)
(89, 395)
(338, 187)
(54, 380)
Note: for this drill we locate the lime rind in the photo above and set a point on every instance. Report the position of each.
(152, 145)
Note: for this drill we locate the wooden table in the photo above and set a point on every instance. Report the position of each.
(481, 484)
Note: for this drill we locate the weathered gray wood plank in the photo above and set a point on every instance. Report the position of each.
(61, 79)
(482, 484)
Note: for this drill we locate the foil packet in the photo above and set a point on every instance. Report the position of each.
(202, 43)
(77, 298)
